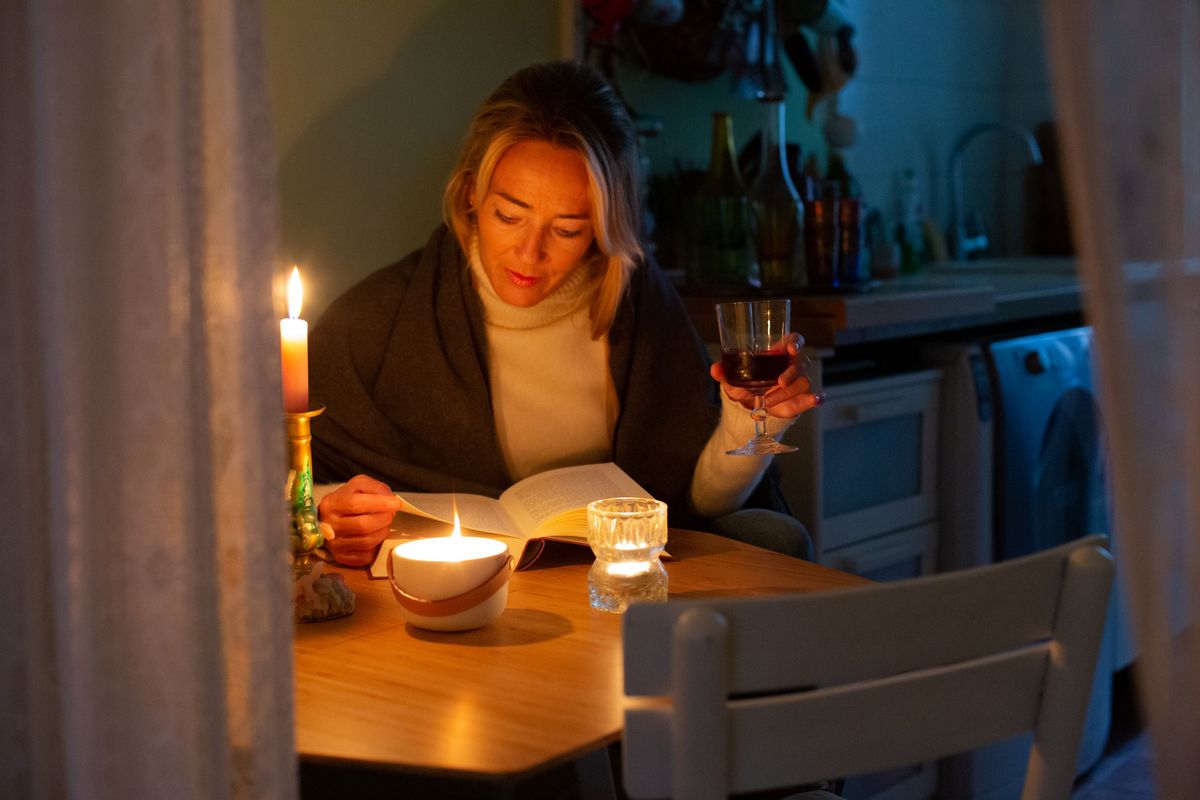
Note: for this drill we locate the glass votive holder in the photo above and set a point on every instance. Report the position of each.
(627, 535)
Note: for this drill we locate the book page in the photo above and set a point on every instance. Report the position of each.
(542, 498)
(474, 511)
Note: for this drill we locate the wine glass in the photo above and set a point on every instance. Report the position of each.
(754, 337)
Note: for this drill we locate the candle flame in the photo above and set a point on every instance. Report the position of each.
(457, 528)
(295, 294)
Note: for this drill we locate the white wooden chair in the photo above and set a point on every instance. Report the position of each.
(757, 693)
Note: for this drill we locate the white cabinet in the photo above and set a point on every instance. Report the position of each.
(889, 556)
(867, 488)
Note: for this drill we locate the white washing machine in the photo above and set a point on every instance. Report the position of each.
(1050, 483)
(1023, 469)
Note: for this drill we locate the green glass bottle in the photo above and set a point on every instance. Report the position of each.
(722, 224)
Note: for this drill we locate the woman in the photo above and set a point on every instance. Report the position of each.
(529, 334)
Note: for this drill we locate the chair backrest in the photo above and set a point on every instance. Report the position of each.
(757, 693)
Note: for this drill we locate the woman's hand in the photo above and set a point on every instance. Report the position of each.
(359, 511)
(792, 395)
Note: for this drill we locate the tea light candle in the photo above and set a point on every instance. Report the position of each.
(293, 350)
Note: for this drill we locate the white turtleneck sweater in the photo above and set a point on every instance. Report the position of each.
(555, 405)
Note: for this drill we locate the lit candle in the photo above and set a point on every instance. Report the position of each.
(293, 348)
(450, 583)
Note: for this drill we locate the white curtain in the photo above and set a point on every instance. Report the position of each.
(146, 629)
(1126, 77)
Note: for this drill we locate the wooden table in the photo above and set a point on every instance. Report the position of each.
(540, 686)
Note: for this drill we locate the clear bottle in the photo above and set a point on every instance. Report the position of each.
(723, 226)
(778, 210)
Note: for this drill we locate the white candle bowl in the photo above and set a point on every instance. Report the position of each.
(450, 583)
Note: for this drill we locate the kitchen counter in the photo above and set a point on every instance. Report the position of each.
(944, 296)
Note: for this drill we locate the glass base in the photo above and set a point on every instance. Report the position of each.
(613, 586)
(761, 446)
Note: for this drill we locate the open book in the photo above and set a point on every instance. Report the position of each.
(551, 505)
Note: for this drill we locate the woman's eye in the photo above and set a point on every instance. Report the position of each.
(567, 234)
(507, 220)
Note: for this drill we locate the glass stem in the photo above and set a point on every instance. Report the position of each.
(759, 415)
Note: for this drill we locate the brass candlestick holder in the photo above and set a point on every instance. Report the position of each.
(317, 596)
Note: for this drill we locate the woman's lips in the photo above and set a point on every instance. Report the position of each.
(524, 281)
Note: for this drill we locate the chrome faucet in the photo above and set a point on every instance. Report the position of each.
(968, 234)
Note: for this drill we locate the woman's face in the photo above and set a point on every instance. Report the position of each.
(535, 223)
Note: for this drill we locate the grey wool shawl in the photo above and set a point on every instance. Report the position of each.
(400, 363)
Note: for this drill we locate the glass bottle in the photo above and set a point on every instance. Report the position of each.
(723, 226)
(778, 211)
(850, 271)
(821, 236)
(909, 230)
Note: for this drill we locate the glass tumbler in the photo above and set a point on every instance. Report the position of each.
(626, 534)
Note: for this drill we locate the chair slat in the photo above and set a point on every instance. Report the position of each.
(772, 692)
(849, 635)
(884, 724)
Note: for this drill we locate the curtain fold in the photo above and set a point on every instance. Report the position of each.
(1126, 78)
(146, 534)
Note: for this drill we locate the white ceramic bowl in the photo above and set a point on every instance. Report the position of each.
(450, 583)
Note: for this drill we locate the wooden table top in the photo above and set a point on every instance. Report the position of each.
(539, 686)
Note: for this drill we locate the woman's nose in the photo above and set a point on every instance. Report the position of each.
(531, 248)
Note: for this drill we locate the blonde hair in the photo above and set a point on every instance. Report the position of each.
(566, 104)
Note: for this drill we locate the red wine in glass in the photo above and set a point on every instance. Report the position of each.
(757, 372)
(754, 336)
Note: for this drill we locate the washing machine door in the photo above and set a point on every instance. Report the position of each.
(1069, 496)
(1051, 483)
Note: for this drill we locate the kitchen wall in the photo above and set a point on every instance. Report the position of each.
(370, 101)
(928, 70)
(371, 98)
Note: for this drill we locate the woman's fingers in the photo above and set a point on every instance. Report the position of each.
(360, 512)
(737, 395)
(356, 551)
(792, 398)
(359, 495)
(360, 524)
(795, 405)
(359, 503)
(355, 546)
(793, 395)
(367, 484)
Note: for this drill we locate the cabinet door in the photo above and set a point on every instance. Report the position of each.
(878, 469)
(909, 553)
